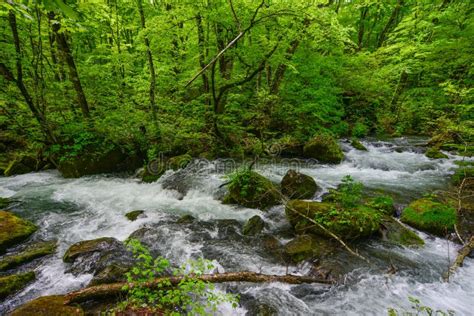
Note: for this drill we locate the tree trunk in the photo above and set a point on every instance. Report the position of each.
(390, 23)
(114, 289)
(151, 66)
(202, 56)
(462, 254)
(66, 53)
(360, 35)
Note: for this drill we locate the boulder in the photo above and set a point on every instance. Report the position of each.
(115, 160)
(34, 251)
(358, 145)
(323, 148)
(253, 226)
(307, 246)
(133, 215)
(394, 232)
(179, 162)
(361, 221)
(13, 230)
(156, 168)
(93, 256)
(382, 203)
(48, 306)
(435, 153)
(430, 216)
(186, 219)
(295, 185)
(11, 284)
(20, 165)
(4, 203)
(250, 189)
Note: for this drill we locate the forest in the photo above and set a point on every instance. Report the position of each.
(371, 99)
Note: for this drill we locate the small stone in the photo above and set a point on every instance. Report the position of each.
(253, 226)
(133, 215)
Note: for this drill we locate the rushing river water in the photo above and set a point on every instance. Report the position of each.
(71, 210)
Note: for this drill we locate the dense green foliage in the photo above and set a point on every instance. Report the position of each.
(191, 296)
(77, 75)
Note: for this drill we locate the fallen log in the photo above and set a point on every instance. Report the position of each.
(113, 289)
(462, 254)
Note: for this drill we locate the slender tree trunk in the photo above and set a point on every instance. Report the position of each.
(68, 58)
(202, 56)
(281, 69)
(360, 35)
(151, 66)
(390, 23)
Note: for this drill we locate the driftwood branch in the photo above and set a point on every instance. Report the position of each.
(462, 254)
(114, 289)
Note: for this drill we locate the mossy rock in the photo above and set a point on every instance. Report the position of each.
(89, 246)
(430, 216)
(34, 251)
(253, 226)
(179, 162)
(48, 306)
(435, 153)
(323, 148)
(112, 273)
(461, 173)
(133, 215)
(358, 145)
(13, 230)
(382, 203)
(295, 185)
(307, 246)
(186, 219)
(10, 284)
(4, 203)
(21, 165)
(253, 190)
(396, 233)
(114, 160)
(460, 149)
(361, 221)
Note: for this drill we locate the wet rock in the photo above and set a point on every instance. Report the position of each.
(158, 167)
(186, 219)
(394, 232)
(256, 308)
(110, 274)
(361, 221)
(11, 284)
(21, 165)
(358, 145)
(48, 306)
(13, 230)
(253, 190)
(133, 215)
(323, 148)
(114, 160)
(307, 246)
(253, 226)
(34, 251)
(430, 216)
(435, 153)
(93, 256)
(271, 244)
(295, 185)
(4, 203)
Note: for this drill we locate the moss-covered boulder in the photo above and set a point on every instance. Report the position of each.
(358, 145)
(156, 168)
(435, 153)
(382, 203)
(323, 148)
(86, 247)
(36, 250)
(48, 306)
(394, 232)
(21, 165)
(361, 221)
(430, 216)
(295, 185)
(179, 162)
(186, 219)
(307, 246)
(133, 215)
(250, 189)
(13, 230)
(10, 284)
(112, 273)
(253, 226)
(95, 162)
(4, 203)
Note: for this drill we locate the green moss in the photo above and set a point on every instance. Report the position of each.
(13, 230)
(21, 165)
(48, 306)
(253, 226)
(435, 153)
(295, 185)
(133, 215)
(358, 222)
(463, 172)
(307, 246)
(11, 284)
(324, 148)
(4, 203)
(186, 219)
(382, 203)
(430, 216)
(460, 149)
(395, 232)
(250, 189)
(34, 251)
(358, 145)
